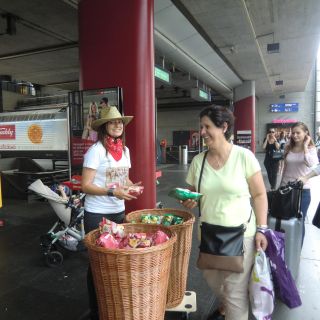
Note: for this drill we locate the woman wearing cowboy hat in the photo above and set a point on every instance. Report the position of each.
(105, 179)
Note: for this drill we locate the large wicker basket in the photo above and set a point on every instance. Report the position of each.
(181, 251)
(131, 284)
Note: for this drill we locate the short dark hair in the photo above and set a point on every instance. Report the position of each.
(105, 100)
(219, 115)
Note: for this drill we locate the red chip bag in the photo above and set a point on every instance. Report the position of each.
(136, 190)
(159, 237)
(106, 240)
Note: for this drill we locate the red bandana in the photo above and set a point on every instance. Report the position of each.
(114, 147)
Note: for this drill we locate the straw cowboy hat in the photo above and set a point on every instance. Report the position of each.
(109, 114)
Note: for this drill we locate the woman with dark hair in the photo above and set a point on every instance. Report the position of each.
(231, 176)
(270, 144)
(299, 156)
(105, 179)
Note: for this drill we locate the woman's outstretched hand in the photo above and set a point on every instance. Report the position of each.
(123, 193)
(189, 203)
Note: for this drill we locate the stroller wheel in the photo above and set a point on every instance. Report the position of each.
(54, 259)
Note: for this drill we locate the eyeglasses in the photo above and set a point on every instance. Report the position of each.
(271, 131)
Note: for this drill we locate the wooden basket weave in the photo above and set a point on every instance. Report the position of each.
(181, 251)
(131, 284)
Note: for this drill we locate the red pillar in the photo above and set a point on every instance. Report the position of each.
(244, 109)
(117, 50)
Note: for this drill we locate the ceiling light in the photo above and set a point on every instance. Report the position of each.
(273, 47)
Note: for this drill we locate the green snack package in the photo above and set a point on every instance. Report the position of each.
(145, 218)
(154, 219)
(177, 220)
(184, 194)
(167, 219)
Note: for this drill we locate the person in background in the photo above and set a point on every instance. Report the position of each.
(104, 103)
(231, 178)
(299, 156)
(270, 144)
(282, 141)
(105, 179)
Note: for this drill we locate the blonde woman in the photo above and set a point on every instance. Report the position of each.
(299, 156)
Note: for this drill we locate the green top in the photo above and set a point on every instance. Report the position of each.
(226, 196)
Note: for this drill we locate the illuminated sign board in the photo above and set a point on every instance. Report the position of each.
(284, 107)
(200, 94)
(204, 94)
(162, 74)
(34, 135)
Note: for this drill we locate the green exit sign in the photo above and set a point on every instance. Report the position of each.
(200, 94)
(162, 74)
(203, 94)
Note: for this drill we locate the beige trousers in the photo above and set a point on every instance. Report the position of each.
(232, 288)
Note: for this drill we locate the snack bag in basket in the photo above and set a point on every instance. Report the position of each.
(107, 226)
(177, 220)
(159, 237)
(167, 219)
(146, 218)
(155, 219)
(107, 240)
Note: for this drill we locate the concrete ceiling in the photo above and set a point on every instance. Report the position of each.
(213, 44)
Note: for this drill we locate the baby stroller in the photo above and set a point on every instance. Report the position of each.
(68, 231)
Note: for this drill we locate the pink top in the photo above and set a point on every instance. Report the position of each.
(317, 169)
(298, 164)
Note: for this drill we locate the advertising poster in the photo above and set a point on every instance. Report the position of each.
(39, 135)
(82, 134)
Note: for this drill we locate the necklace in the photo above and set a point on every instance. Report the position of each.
(215, 163)
(218, 163)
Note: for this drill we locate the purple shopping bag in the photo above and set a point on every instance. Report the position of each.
(284, 285)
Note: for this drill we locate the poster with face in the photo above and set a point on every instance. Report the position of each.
(83, 136)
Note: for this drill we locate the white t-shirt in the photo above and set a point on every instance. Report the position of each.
(226, 196)
(109, 173)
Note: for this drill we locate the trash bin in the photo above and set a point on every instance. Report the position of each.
(183, 154)
(181, 251)
(131, 284)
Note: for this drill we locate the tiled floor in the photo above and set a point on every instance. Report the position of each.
(31, 291)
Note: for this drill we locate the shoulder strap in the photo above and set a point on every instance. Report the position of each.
(200, 177)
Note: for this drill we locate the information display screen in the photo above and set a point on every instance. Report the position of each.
(284, 107)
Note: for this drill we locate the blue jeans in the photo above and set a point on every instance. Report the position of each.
(305, 202)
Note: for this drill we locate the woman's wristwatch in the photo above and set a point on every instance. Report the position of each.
(262, 228)
(110, 193)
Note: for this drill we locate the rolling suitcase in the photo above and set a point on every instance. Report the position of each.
(293, 237)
